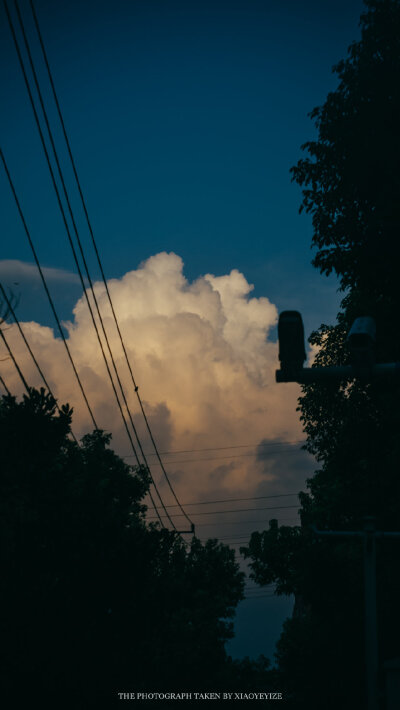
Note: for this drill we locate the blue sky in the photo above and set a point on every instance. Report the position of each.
(184, 119)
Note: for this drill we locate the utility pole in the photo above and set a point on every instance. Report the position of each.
(369, 535)
(361, 341)
(371, 614)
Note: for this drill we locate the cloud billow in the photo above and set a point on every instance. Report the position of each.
(205, 366)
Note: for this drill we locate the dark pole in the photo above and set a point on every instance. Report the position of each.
(371, 623)
(361, 340)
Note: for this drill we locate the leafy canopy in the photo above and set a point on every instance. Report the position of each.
(351, 184)
(92, 599)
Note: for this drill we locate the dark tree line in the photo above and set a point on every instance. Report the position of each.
(350, 179)
(92, 600)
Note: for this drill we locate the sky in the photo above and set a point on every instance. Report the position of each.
(184, 119)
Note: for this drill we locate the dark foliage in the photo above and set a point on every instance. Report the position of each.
(351, 180)
(93, 601)
(351, 186)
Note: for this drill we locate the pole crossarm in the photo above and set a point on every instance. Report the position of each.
(192, 531)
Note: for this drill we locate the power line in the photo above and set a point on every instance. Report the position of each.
(228, 540)
(68, 204)
(262, 596)
(5, 386)
(46, 288)
(239, 510)
(71, 214)
(11, 310)
(232, 522)
(52, 173)
(84, 260)
(22, 378)
(237, 544)
(242, 539)
(222, 458)
(233, 500)
(9, 306)
(235, 446)
(228, 543)
(136, 389)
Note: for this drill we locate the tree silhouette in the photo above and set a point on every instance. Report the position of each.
(93, 600)
(350, 182)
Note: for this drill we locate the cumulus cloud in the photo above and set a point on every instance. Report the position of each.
(205, 364)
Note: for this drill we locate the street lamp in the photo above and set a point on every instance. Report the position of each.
(361, 341)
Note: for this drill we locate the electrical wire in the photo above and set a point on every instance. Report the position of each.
(234, 500)
(263, 596)
(222, 458)
(88, 275)
(228, 540)
(243, 543)
(18, 369)
(59, 171)
(47, 289)
(136, 389)
(160, 462)
(27, 46)
(238, 510)
(5, 386)
(235, 446)
(65, 220)
(46, 384)
(232, 522)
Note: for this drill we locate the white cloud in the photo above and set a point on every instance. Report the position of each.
(13, 270)
(205, 367)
